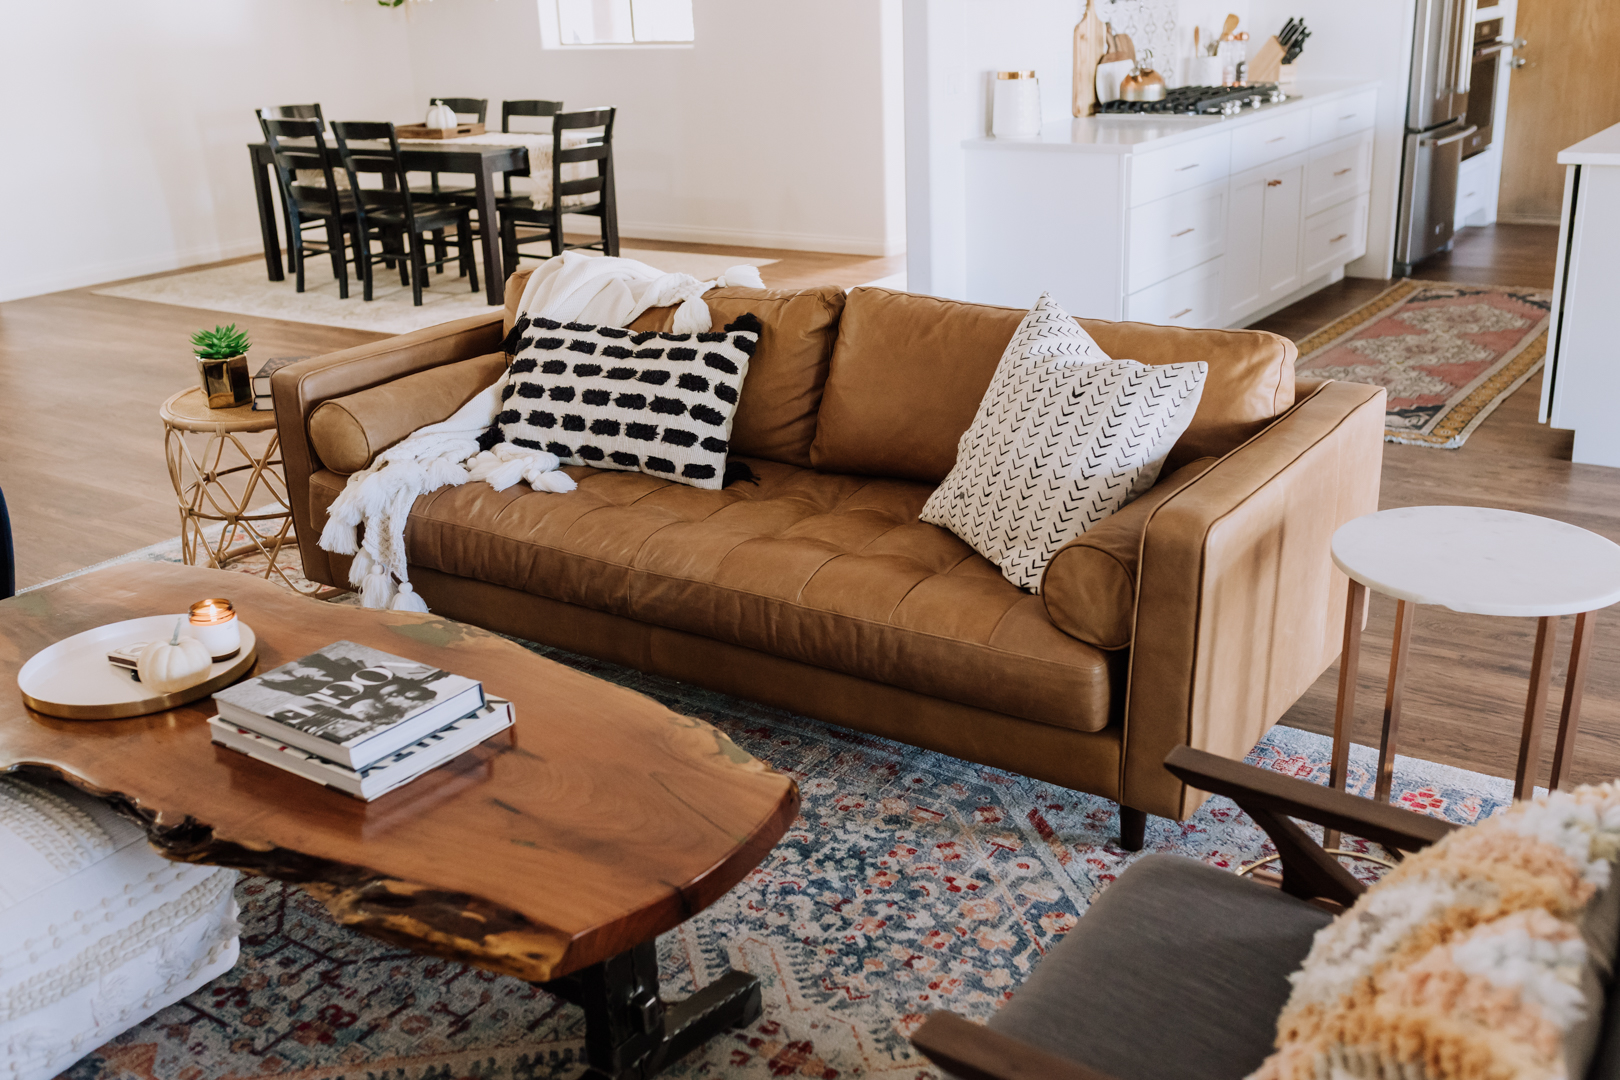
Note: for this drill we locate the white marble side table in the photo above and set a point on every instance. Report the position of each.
(1480, 561)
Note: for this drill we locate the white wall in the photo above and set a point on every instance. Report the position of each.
(770, 130)
(781, 127)
(954, 46)
(125, 153)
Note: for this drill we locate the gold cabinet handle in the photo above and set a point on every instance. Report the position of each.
(1183, 232)
(1336, 239)
(1273, 183)
(1341, 172)
(1347, 116)
(1184, 168)
(1279, 138)
(1180, 313)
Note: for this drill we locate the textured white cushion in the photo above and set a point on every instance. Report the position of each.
(97, 930)
(617, 399)
(1064, 436)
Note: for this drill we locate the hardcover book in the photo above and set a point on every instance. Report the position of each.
(350, 703)
(261, 378)
(450, 741)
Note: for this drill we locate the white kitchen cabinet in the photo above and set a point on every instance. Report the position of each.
(1191, 221)
(1580, 388)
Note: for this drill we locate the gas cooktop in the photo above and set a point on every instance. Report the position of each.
(1199, 101)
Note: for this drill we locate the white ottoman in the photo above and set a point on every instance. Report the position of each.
(97, 930)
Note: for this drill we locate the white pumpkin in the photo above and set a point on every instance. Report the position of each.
(168, 667)
(440, 116)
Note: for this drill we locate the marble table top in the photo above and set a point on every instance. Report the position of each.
(1480, 561)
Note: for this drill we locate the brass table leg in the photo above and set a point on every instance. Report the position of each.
(1524, 783)
(1404, 614)
(1580, 650)
(1355, 612)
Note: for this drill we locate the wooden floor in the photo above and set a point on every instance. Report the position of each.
(81, 463)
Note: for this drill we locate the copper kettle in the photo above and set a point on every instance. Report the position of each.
(1143, 83)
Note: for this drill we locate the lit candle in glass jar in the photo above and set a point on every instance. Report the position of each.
(213, 622)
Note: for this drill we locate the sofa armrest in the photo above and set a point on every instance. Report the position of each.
(972, 1051)
(1240, 607)
(298, 388)
(1089, 587)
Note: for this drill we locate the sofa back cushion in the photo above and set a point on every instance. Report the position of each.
(776, 417)
(908, 372)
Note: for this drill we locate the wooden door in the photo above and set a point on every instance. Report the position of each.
(1566, 90)
(1279, 243)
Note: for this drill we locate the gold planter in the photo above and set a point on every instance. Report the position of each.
(226, 382)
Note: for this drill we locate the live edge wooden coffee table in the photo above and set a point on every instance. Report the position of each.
(556, 852)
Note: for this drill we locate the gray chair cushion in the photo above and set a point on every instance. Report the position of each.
(1177, 970)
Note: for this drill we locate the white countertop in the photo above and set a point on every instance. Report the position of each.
(1600, 149)
(1130, 134)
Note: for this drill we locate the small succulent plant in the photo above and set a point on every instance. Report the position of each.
(220, 343)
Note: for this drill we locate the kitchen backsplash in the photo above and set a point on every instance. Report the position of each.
(1166, 27)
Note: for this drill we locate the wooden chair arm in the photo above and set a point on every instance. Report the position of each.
(972, 1051)
(1272, 800)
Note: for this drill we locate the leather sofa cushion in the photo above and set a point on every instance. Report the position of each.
(908, 372)
(1090, 584)
(348, 432)
(833, 571)
(1176, 972)
(776, 415)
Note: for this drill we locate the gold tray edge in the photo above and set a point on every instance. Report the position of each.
(124, 710)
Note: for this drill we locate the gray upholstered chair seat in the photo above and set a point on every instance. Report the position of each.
(1197, 963)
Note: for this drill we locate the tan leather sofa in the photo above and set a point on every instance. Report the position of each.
(1197, 614)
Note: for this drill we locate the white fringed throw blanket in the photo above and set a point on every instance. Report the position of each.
(367, 520)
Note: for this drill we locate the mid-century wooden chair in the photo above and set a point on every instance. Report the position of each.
(1179, 969)
(324, 205)
(392, 214)
(548, 220)
(8, 554)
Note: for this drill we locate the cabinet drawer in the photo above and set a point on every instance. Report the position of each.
(1334, 237)
(1270, 139)
(1338, 171)
(1336, 119)
(1173, 234)
(1192, 298)
(1165, 172)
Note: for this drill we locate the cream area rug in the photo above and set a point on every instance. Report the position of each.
(244, 289)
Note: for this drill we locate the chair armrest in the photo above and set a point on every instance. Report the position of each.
(298, 388)
(974, 1052)
(1239, 606)
(1248, 785)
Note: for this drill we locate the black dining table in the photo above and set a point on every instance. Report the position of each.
(483, 162)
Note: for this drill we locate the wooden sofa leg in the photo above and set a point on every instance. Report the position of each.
(1132, 827)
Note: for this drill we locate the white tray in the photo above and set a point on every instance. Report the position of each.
(73, 679)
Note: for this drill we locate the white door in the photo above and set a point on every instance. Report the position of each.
(1244, 224)
(1279, 235)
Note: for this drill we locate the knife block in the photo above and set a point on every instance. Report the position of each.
(1266, 64)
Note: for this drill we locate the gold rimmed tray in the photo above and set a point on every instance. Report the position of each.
(72, 679)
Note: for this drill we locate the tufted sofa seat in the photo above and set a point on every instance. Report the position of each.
(1199, 613)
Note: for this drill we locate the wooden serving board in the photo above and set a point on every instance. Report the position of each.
(422, 131)
(1090, 43)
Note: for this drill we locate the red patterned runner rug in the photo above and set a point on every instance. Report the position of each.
(1448, 353)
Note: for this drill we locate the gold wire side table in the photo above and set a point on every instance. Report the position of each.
(220, 479)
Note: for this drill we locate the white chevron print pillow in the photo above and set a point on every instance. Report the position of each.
(1064, 436)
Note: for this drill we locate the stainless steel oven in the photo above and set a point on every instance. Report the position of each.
(1488, 47)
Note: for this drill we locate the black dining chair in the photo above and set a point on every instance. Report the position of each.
(311, 111)
(324, 206)
(394, 216)
(532, 107)
(467, 109)
(546, 222)
(463, 107)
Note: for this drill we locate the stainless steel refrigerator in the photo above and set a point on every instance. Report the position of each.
(1436, 128)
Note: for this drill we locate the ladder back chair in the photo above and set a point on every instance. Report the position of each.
(394, 216)
(548, 220)
(324, 204)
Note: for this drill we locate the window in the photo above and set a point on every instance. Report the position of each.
(622, 22)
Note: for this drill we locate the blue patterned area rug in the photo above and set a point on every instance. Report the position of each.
(910, 882)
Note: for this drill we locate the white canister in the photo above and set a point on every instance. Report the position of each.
(1017, 110)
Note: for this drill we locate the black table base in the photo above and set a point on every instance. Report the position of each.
(630, 1032)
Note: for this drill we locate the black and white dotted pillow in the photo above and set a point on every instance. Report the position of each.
(612, 398)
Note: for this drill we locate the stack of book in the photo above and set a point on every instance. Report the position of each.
(261, 382)
(356, 719)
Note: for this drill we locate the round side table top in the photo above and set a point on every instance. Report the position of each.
(1480, 561)
(188, 410)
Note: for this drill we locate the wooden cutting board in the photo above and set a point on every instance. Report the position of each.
(422, 131)
(1090, 43)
